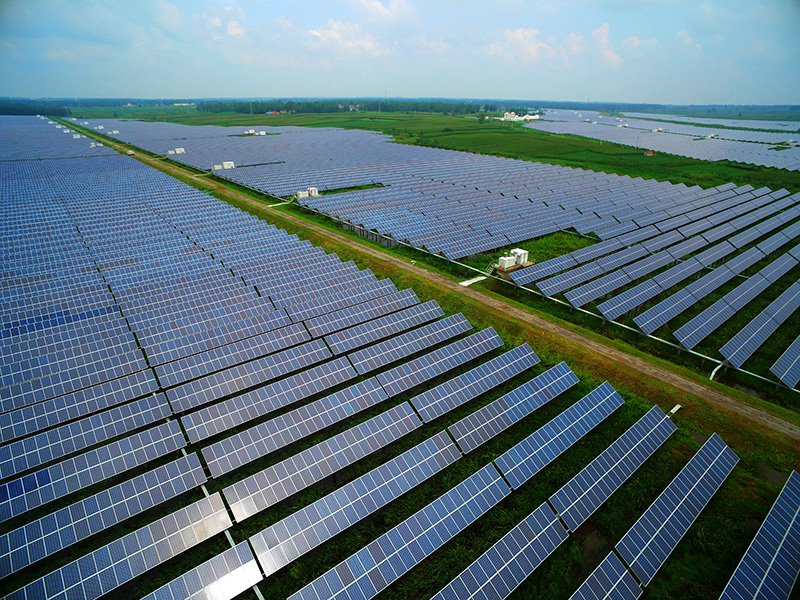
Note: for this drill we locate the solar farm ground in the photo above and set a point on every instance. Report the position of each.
(698, 569)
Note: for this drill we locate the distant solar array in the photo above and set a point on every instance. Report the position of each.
(136, 308)
(705, 140)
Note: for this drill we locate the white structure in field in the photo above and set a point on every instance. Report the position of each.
(228, 164)
(512, 116)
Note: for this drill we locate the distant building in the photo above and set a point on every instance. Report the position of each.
(512, 116)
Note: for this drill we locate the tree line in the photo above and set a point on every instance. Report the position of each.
(334, 106)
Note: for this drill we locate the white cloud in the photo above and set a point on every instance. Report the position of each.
(347, 36)
(638, 43)
(603, 42)
(235, 29)
(685, 38)
(169, 15)
(574, 44)
(394, 12)
(520, 45)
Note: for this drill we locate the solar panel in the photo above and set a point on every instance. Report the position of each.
(220, 578)
(257, 442)
(655, 535)
(504, 566)
(588, 490)
(629, 299)
(114, 564)
(30, 419)
(224, 415)
(497, 416)
(544, 445)
(271, 485)
(40, 487)
(347, 317)
(384, 353)
(433, 364)
(770, 567)
(749, 339)
(446, 396)
(245, 376)
(293, 536)
(47, 535)
(787, 367)
(373, 568)
(222, 357)
(609, 581)
(372, 331)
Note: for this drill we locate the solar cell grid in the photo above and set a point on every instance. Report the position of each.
(372, 331)
(275, 483)
(280, 544)
(446, 396)
(419, 370)
(21, 455)
(47, 535)
(651, 540)
(787, 367)
(588, 490)
(488, 421)
(380, 563)
(114, 564)
(384, 353)
(224, 415)
(771, 563)
(504, 566)
(222, 577)
(248, 375)
(610, 580)
(532, 454)
(256, 442)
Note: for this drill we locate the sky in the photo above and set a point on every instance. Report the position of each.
(653, 51)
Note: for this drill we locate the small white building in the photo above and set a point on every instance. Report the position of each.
(228, 164)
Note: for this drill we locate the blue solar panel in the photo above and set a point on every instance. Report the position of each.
(544, 445)
(40, 487)
(504, 566)
(47, 535)
(433, 364)
(488, 421)
(373, 568)
(770, 567)
(275, 483)
(221, 578)
(106, 568)
(257, 442)
(655, 535)
(372, 331)
(384, 353)
(283, 542)
(446, 396)
(609, 581)
(589, 489)
(787, 367)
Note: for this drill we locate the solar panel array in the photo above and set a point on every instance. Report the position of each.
(532, 454)
(370, 570)
(250, 339)
(655, 535)
(590, 488)
(514, 557)
(770, 567)
(609, 580)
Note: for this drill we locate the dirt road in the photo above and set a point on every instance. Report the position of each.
(706, 393)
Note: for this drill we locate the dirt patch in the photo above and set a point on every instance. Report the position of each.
(699, 438)
(770, 475)
(594, 548)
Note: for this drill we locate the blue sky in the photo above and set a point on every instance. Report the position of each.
(722, 51)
